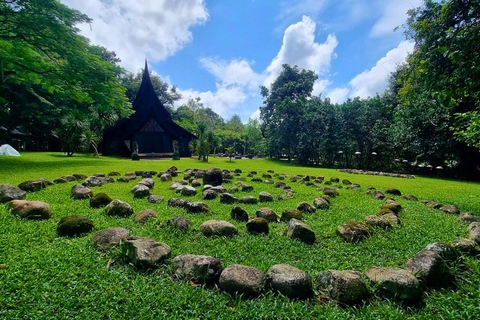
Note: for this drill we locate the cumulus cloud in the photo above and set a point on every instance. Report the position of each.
(338, 95)
(299, 48)
(369, 82)
(237, 72)
(255, 115)
(394, 14)
(137, 29)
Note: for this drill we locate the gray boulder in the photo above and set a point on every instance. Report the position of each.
(119, 208)
(148, 182)
(218, 228)
(209, 194)
(198, 269)
(430, 269)
(145, 252)
(321, 203)
(100, 200)
(329, 191)
(197, 207)
(257, 225)
(467, 217)
(242, 280)
(265, 197)
(474, 229)
(395, 282)
(466, 246)
(144, 215)
(94, 181)
(165, 177)
(267, 214)
(393, 191)
(74, 226)
(188, 191)
(291, 214)
(344, 286)
(179, 223)
(239, 214)
(154, 199)
(306, 207)
(107, 238)
(35, 185)
(353, 231)
(300, 231)
(378, 221)
(213, 176)
(450, 209)
(378, 195)
(140, 191)
(228, 198)
(9, 192)
(447, 252)
(289, 281)
(32, 210)
(80, 192)
(248, 200)
(177, 202)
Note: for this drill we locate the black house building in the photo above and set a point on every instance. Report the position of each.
(151, 128)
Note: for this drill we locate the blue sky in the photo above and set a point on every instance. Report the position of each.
(222, 51)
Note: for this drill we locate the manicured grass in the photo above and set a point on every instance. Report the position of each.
(46, 276)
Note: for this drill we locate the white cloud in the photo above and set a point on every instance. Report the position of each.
(338, 95)
(299, 48)
(319, 86)
(369, 82)
(137, 29)
(394, 15)
(236, 72)
(255, 115)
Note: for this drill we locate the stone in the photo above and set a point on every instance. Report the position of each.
(432, 204)
(219, 189)
(177, 202)
(119, 208)
(300, 231)
(430, 268)
(144, 215)
(248, 200)
(80, 192)
(466, 217)
(392, 206)
(123, 179)
(79, 176)
(346, 182)
(148, 182)
(466, 246)
(355, 186)
(197, 269)
(188, 191)
(393, 191)
(175, 186)
(392, 218)
(173, 171)
(166, 177)
(9, 192)
(139, 173)
(35, 185)
(378, 221)
(289, 281)
(410, 197)
(280, 184)
(94, 181)
(291, 214)
(447, 252)
(228, 198)
(213, 176)
(246, 187)
(333, 179)
(306, 207)
(269, 181)
(101, 175)
(450, 209)
(114, 174)
(146, 252)
(353, 231)
(265, 197)
(32, 210)
(257, 225)
(209, 194)
(107, 238)
(140, 191)
(242, 280)
(100, 200)
(331, 192)
(218, 228)
(344, 286)
(195, 183)
(238, 170)
(179, 223)
(321, 203)
(267, 214)
(239, 214)
(197, 207)
(233, 189)
(154, 199)
(474, 229)
(69, 178)
(395, 282)
(74, 226)
(60, 180)
(378, 195)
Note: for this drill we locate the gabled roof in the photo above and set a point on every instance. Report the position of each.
(147, 106)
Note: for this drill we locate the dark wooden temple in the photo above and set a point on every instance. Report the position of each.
(151, 128)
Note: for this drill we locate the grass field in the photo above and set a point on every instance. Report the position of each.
(44, 276)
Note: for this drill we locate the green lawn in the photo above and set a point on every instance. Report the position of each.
(46, 276)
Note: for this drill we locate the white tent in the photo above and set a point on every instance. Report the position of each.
(8, 150)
